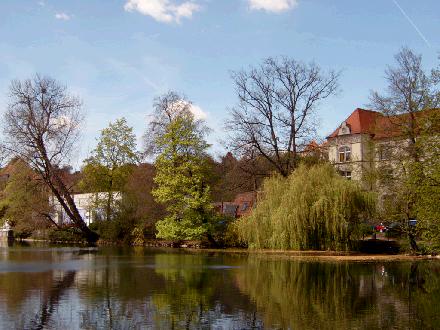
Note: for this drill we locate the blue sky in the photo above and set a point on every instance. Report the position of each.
(117, 55)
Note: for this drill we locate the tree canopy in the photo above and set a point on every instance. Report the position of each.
(314, 208)
(41, 126)
(410, 103)
(110, 164)
(276, 111)
(181, 172)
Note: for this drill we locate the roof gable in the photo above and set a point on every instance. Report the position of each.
(360, 121)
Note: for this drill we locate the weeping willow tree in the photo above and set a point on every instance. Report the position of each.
(314, 208)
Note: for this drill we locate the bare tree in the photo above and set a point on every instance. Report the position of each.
(41, 126)
(167, 107)
(275, 115)
(410, 90)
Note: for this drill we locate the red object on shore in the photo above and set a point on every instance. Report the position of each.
(380, 228)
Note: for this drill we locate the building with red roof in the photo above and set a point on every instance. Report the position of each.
(367, 138)
(242, 205)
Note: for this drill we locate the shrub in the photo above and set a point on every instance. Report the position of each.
(68, 234)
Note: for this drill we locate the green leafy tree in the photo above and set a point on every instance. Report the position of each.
(181, 169)
(110, 165)
(25, 200)
(314, 208)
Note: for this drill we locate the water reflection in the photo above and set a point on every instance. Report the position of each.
(82, 288)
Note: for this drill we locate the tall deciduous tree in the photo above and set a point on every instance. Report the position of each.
(276, 109)
(412, 97)
(41, 126)
(181, 169)
(110, 164)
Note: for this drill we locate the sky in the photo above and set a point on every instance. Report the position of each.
(118, 55)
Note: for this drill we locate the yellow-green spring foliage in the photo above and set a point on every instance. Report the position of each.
(181, 179)
(314, 208)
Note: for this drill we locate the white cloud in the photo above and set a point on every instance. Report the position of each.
(198, 112)
(62, 16)
(275, 6)
(165, 11)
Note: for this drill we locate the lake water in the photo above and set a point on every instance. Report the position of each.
(122, 288)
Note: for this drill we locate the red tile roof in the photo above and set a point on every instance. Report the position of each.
(379, 126)
(312, 146)
(360, 121)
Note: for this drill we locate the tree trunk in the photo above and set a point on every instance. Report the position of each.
(66, 201)
(412, 242)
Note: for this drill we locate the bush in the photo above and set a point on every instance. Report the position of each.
(364, 230)
(68, 234)
(115, 230)
(22, 234)
(223, 230)
(314, 208)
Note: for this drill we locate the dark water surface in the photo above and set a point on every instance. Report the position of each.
(115, 288)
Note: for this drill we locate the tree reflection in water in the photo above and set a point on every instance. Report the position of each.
(164, 291)
(51, 300)
(343, 295)
(144, 288)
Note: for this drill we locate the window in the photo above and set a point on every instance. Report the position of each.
(245, 206)
(344, 154)
(345, 174)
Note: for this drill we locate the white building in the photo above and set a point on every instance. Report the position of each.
(87, 205)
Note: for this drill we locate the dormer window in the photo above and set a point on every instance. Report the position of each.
(344, 129)
(344, 154)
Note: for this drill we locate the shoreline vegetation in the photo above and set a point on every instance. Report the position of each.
(303, 197)
(306, 255)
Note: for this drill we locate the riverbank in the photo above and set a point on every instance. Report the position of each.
(311, 255)
(319, 255)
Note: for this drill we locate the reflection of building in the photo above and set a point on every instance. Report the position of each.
(88, 206)
(242, 205)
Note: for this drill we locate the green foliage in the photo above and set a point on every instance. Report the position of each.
(364, 230)
(66, 235)
(181, 178)
(110, 165)
(314, 208)
(424, 178)
(224, 231)
(138, 235)
(116, 230)
(187, 228)
(25, 202)
(300, 293)
(414, 187)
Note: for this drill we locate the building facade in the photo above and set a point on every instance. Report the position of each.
(87, 205)
(349, 146)
(368, 142)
